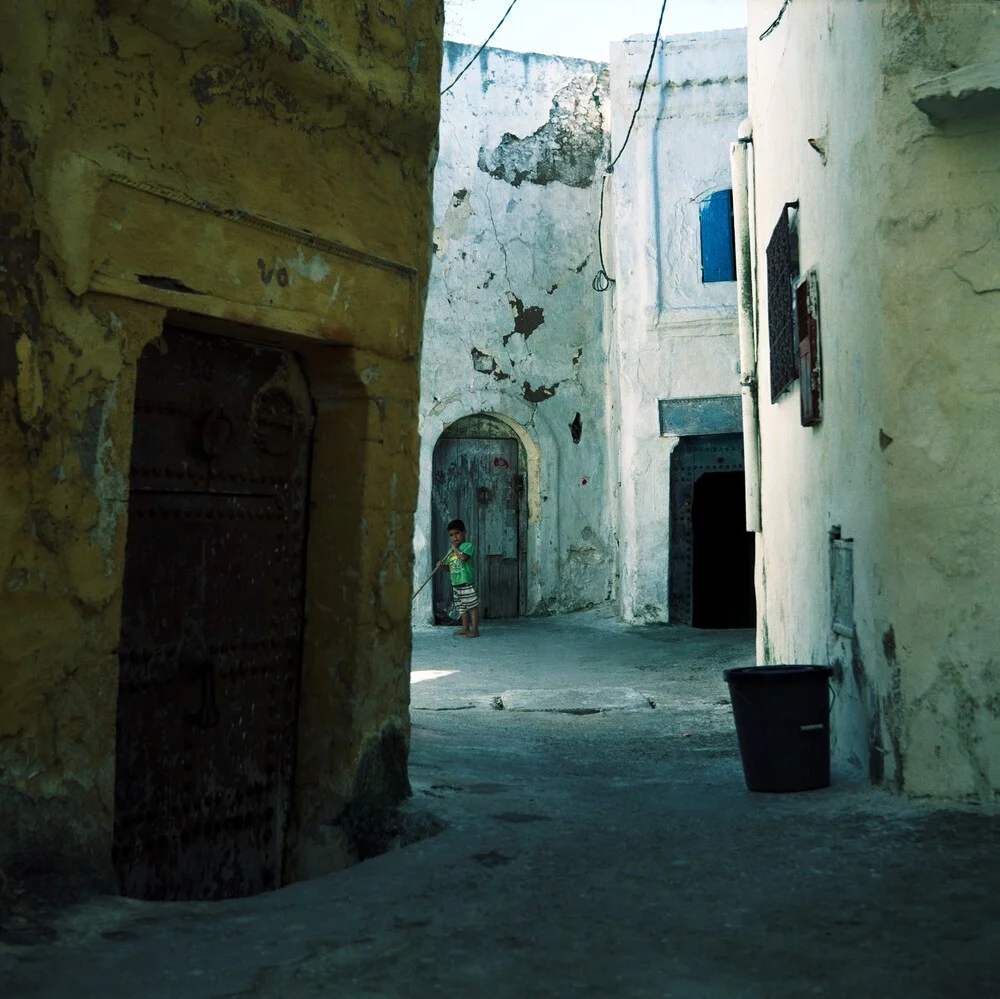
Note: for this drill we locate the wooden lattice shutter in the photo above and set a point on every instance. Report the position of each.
(780, 320)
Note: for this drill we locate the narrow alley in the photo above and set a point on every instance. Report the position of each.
(594, 837)
(672, 341)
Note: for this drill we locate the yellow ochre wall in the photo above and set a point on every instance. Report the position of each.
(266, 166)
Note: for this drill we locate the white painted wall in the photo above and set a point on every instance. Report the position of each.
(671, 335)
(516, 222)
(900, 219)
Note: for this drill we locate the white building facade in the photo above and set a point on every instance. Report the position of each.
(549, 411)
(673, 328)
(873, 167)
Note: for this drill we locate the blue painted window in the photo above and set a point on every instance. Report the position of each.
(718, 248)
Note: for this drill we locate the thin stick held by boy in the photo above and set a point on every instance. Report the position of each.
(459, 562)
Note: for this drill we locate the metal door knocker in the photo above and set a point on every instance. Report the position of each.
(215, 433)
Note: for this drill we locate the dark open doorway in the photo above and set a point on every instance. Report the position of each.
(723, 594)
(711, 552)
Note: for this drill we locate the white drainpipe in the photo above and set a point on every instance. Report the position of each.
(739, 154)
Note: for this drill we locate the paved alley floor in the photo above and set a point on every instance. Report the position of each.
(598, 841)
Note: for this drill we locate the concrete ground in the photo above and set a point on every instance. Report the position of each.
(599, 841)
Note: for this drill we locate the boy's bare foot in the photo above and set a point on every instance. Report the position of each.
(470, 634)
(461, 631)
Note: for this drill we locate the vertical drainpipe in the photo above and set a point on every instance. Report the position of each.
(739, 154)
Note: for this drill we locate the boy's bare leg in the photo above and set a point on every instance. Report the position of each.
(465, 624)
(473, 632)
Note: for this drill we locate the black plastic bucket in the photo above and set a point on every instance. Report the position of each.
(782, 716)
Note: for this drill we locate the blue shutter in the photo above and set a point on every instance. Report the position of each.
(718, 249)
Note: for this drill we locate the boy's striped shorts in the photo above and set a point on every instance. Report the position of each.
(465, 597)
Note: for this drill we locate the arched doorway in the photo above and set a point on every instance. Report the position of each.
(711, 551)
(478, 476)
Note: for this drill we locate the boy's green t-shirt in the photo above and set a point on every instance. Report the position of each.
(461, 572)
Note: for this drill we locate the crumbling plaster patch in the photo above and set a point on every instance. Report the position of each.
(526, 320)
(454, 223)
(567, 148)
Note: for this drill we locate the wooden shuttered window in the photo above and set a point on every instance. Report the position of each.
(718, 244)
(780, 317)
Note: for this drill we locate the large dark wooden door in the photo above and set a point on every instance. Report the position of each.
(477, 480)
(212, 617)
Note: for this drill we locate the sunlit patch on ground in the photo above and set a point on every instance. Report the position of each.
(429, 674)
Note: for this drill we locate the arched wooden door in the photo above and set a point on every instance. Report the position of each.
(478, 477)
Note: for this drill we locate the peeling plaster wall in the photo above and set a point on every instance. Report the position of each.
(513, 326)
(899, 217)
(263, 163)
(672, 336)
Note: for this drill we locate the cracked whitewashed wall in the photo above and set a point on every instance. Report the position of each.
(898, 215)
(513, 326)
(673, 336)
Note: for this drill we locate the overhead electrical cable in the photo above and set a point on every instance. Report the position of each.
(602, 280)
(776, 21)
(481, 47)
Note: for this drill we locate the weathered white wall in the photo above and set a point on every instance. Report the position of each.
(899, 217)
(672, 336)
(513, 326)
(813, 479)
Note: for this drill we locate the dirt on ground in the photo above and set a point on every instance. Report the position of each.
(597, 839)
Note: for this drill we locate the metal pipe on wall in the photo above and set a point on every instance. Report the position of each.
(739, 153)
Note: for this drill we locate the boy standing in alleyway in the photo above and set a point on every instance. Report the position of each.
(459, 562)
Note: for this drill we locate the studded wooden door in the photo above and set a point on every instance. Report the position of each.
(477, 480)
(212, 616)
